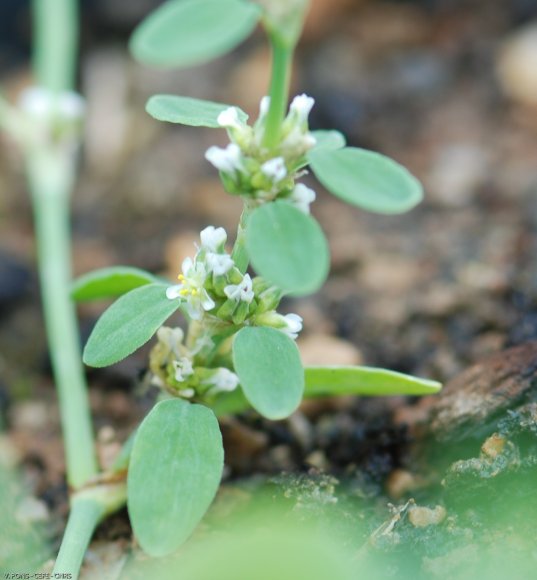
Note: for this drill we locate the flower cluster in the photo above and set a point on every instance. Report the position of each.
(218, 296)
(248, 168)
(174, 367)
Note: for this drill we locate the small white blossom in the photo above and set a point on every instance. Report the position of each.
(42, 103)
(219, 264)
(172, 338)
(302, 196)
(229, 118)
(293, 325)
(242, 292)
(222, 381)
(264, 106)
(228, 159)
(301, 107)
(213, 239)
(191, 289)
(183, 369)
(274, 169)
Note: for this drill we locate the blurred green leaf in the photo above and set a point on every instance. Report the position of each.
(128, 324)
(110, 283)
(368, 381)
(288, 248)
(269, 368)
(187, 111)
(328, 139)
(366, 179)
(188, 32)
(174, 473)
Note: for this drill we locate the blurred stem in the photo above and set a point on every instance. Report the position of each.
(51, 175)
(55, 43)
(279, 90)
(239, 253)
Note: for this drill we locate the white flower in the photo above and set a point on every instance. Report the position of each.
(183, 369)
(229, 118)
(222, 381)
(228, 159)
(293, 325)
(274, 169)
(264, 106)
(302, 196)
(301, 107)
(41, 103)
(172, 338)
(218, 263)
(191, 289)
(71, 105)
(241, 292)
(213, 239)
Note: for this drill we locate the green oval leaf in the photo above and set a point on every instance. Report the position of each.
(328, 139)
(288, 248)
(174, 473)
(188, 32)
(366, 179)
(268, 365)
(110, 283)
(128, 324)
(368, 381)
(187, 111)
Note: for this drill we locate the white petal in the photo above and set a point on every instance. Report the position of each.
(219, 263)
(274, 169)
(213, 238)
(302, 105)
(173, 292)
(229, 118)
(186, 266)
(207, 303)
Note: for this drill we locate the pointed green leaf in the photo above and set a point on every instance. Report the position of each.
(188, 32)
(328, 139)
(110, 283)
(367, 381)
(268, 365)
(128, 324)
(288, 248)
(174, 473)
(366, 179)
(187, 111)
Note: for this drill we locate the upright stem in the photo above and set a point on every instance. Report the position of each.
(84, 516)
(51, 174)
(279, 91)
(239, 253)
(55, 43)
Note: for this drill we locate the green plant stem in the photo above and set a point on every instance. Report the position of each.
(239, 253)
(84, 516)
(279, 91)
(55, 43)
(88, 508)
(50, 173)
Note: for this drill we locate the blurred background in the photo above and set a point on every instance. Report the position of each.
(446, 87)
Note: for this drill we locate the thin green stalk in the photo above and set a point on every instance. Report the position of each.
(239, 253)
(55, 43)
(88, 508)
(279, 91)
(51, 174)
(84, 517)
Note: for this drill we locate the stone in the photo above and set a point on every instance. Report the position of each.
(323, 349)
(517, 65)
(421, 517)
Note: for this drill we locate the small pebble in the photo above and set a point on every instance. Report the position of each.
(421, 517)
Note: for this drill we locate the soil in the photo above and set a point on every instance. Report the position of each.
(435, 85)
